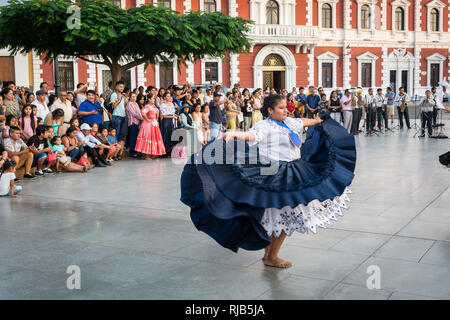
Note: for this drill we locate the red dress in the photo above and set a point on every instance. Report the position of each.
(149, 140)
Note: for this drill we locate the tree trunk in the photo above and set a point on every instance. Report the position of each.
(116, 72)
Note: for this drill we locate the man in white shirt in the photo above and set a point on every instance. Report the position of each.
(370, 108)
(66, 106)
(381, 110)
(41, 105)
(19, 151)
(93, 147)
(401, 98)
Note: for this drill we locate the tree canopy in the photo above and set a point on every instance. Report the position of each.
(119, 38)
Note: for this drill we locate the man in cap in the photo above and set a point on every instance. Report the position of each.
(41, 105)
(92, 146)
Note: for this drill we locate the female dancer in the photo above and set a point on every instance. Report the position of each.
(149, 140)
(254, 204)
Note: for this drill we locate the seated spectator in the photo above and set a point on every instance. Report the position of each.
(112, 139)
(40, 148)
(18, 151)
(40, 121)
(3, 156)
(103, 138)
(28, 122)
(2, 124)
(90, 110)
(84, 161)
(92, 146)
(106, 146)
(71, 144)
(7, 177)
(63, 159)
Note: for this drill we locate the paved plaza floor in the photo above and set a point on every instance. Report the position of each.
(132, 238)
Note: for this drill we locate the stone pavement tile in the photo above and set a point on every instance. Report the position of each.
(323, 239)
(439, 254)
(316, 263)
(57, 260)
(352, 292)
(407, 296)
(298, 288)
(218, 281)
(361, 243)
(426, 230)
(210, 250)
(383, 225)
(405, 276)
(444, 199)
(15, 243)
(435, 214)
(24, 284)
(403, 248)
(155, 241)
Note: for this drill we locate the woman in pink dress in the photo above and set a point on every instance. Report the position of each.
(149, 140)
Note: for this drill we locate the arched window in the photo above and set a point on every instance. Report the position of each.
(272, 12)
(164, 3)
(434, 19)
(326, 16)
(210, 5)
(399, 19)
(365, 13)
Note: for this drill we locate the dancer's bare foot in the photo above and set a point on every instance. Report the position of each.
(277, 262)
(266, 252)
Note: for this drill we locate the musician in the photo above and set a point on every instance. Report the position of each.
(401, 101)
(435, 97)
(381, 109)
(426, 113)
(390, 111)
(357, 104)
(370, 108)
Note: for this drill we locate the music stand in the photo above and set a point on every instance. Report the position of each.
(415, 126)
(441, 134)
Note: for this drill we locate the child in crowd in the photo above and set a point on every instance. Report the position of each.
(28, 122)
(11, 121)
(84, 161)
(323, 103)
(112, 139)
(34, 108)
(7, 187)
(113, 151)
(75, 123)
(63, 159)
(3, 157)
(40, 122)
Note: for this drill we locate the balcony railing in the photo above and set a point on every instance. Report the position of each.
(282, 31)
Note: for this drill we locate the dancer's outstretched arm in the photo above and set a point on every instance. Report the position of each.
(311, 122)
(237, 135)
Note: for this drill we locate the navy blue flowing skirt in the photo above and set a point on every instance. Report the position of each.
(228, 199)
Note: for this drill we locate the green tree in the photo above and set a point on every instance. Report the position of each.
(119, 38)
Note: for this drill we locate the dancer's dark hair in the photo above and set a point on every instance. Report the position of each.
(270, 102)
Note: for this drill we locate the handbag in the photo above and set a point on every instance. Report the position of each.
(51, 157)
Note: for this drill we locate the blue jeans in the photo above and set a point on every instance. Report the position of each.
(74, 153)
(38, 157)
(215, 130)
(118, 123)
(133, 131)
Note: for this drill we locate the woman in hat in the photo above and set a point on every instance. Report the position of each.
(260, 190)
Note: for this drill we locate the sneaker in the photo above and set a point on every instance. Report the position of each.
(28, 175)
(39, 173)
(47, 170)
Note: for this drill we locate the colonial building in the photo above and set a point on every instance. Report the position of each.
(327, 43)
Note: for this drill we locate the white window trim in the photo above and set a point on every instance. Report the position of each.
(333, 13)
(218, 6)
(175, 73)
(405, 6)
(327, 57)
(219, 69)
(367, 57)
(75, 68)
(435, 58)
(173, 4)
(371, 4)
(286, 13)
(435, 4)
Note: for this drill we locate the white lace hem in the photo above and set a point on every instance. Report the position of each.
(304, 218)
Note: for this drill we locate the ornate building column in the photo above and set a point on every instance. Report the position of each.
(234, 62)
